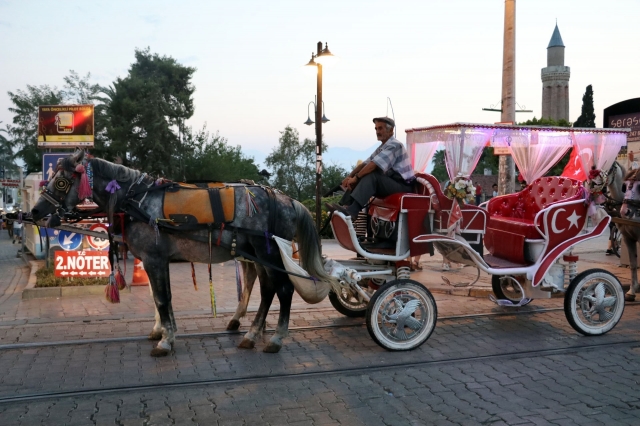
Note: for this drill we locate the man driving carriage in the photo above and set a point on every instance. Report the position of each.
(387, 171)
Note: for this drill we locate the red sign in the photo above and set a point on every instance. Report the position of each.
(81, 264)
(9, 183)
(95, 242)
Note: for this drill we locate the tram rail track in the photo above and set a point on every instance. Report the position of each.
(631, 343)
(35, 345)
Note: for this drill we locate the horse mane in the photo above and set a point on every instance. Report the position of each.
(112, 171)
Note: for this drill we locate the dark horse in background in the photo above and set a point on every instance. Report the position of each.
(157, 247)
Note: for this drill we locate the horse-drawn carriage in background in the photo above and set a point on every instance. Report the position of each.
(529, 235)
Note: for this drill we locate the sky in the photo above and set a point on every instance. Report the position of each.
(438, 61)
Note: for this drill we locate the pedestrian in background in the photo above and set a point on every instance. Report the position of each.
(494, 187)
(478, 195)
(17, 232)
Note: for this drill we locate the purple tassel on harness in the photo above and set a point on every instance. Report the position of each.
(112, 186)
(266, 236)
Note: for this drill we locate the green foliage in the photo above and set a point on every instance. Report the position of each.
(209, 157)
(24, 130)
(587, 117)
(144, 114)
(439, 166)
(294, 165)
(546, 122)
(488, 161)
(311, 206)
(8, 166)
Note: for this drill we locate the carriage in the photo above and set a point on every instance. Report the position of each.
(529, 235)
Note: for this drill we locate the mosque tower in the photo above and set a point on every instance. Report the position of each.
(555, 81)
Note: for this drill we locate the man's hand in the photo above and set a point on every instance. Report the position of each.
(349, 182)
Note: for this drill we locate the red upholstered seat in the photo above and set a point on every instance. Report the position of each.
(511, 216)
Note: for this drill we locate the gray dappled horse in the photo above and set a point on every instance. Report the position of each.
(630, 210)
(157, 249)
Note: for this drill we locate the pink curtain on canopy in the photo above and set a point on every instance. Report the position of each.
(463, 149)
(534, 151)
(598, 149)
(421, 150)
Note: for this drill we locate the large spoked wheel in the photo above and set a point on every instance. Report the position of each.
(506, 289)
(349, 303)
(594, 302)
(401, 315)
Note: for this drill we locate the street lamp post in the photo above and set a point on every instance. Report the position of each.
(316, 60)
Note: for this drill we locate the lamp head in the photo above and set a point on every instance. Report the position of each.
(312, 62)
(324, 118)
(309, 122)
(325, 56)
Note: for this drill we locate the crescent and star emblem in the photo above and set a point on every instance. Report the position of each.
(573, 221)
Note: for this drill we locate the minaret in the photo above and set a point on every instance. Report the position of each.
(555, 81)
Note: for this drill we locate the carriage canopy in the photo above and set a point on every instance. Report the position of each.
(535, 149)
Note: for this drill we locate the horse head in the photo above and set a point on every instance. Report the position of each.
(631, 202)
(60, 195)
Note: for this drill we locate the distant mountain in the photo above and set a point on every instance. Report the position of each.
(342, 156)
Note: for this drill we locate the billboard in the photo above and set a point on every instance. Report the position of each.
(65, 126)
(631, 121)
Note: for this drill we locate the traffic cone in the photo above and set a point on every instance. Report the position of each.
(140, 276)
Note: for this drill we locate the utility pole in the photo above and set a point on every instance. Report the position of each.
(507, 168)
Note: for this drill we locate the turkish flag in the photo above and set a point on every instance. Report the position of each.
(573, 169)
(455, 215)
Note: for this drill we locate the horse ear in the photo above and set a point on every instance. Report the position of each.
(78, 156)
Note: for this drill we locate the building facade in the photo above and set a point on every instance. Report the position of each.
(555, 81)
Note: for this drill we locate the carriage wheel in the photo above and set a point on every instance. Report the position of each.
(594, 302)
(401, 315)
(506, 289)
(349, 303)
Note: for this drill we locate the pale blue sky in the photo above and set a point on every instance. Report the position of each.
(438, 61)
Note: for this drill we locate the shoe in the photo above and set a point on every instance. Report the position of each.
(342, 210)
(417, 266)
(609, 252)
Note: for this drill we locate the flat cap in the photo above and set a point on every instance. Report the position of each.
(385, 120)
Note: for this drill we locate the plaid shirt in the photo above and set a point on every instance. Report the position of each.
(392, 157)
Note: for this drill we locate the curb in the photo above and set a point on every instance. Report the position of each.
(31, 292)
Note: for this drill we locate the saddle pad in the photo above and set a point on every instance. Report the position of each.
(191, 201)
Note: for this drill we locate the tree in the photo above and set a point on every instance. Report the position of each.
(209, 157)
(439, 166)
(587, 117)
(144, 114)
(293, 165)
(24, 130)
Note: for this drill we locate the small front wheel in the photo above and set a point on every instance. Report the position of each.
(401, 315)
(348, 303)
(594, 302)
(504, 287)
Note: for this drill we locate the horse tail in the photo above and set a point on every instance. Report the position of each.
(309, 244)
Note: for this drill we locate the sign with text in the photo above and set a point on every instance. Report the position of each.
(99, 243)
(81, 264)
(9, 183)
(499, 150)
(631, 121)
(65, 125)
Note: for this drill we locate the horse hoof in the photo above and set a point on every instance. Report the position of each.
(233, 325)
(155, 335)
(629, 297)
(159, 352)
(247, 344)
(272, 348)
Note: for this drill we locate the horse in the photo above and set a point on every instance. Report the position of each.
(116, 188)
(630, 211)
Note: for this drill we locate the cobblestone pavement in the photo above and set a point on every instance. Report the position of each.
(527, 368)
